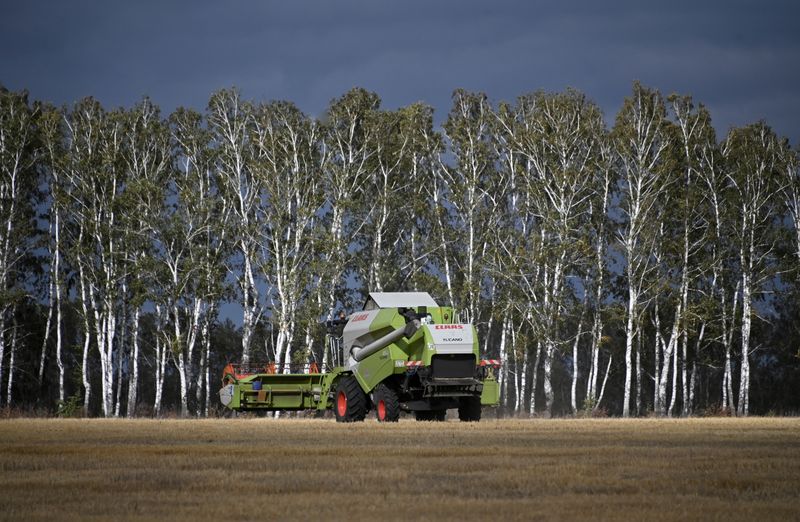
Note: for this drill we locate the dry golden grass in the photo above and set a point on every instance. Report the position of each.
(263, 469)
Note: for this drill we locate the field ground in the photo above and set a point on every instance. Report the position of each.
(265, 469)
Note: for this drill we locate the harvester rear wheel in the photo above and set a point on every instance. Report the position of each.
(469, 409)
(350, 403)
(431, 415)
(387, 404)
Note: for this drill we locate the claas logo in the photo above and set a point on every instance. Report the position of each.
(449, 327)
(360, 317)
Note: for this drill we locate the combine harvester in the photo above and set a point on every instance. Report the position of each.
(402, 352)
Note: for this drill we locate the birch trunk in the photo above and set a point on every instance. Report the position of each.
(744, 379)
(534, 377)
(12, 365)
(605, 380)
(520, 368)
(639, 339)
(657, 347)
(59, 318)
(674, 382)
(2, 346)
(43, 354)
(205, 370)
(161, 364)
(669, 359)
(629, 333)
(133, 379)
(504, 364)
(87, 334)
(574, 393)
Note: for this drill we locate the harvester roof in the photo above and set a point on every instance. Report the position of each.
(398, 299)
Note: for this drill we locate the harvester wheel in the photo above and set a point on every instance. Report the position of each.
(431, 415)
(387, 405)
(469, 409)
(350, 402)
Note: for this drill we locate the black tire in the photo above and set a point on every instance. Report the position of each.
(469, 409)
(431, 415)
(349, 402)
(387, 404)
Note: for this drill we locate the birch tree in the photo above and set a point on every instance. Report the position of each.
(348, 148)
(96, 179)
(695, 136)
(285, 142)
(18, 197)
(147, 157)
(229, 119)
(51, 132)
(792, 193)
(724, 285)
(520, 255)
(563, 156)
(599, 205)
(468, 129)
(755, 177)
(387, 217)
(640, 142)
(557, 137)
(415, 242)
(189, 235)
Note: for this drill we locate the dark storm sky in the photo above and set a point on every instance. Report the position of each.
(740, 58)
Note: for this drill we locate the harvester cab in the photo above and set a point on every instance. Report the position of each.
(401, 352)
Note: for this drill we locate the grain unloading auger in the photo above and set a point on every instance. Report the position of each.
(402, 352)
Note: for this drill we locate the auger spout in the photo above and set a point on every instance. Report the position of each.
(406, 331)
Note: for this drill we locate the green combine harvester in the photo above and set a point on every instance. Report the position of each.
(402, 352)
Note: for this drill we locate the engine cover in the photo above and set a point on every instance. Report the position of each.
(452, 338)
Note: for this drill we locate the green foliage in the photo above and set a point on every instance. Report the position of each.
(71, 407)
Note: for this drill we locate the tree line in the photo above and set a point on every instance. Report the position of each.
(646, 268)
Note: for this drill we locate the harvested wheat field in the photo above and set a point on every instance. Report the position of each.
(265, 469)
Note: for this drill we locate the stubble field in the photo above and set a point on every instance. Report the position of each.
(265, 469)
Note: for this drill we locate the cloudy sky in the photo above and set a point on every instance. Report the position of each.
(740, 58)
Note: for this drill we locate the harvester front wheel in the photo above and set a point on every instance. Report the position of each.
(350, 403)
(387, 404)
(469, 409)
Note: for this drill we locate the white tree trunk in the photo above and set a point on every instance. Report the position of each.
(657, 347)
(12, 365)
(43, 354)
(670, 352)
(673, 399)
(133, 378)
(744, 380)
(249, 306)
(605, 380)
(59, 318)
(727, 338)
(2, 346)
(629, 333)
(575, 366)
(87, 385)
(287, 352)
(181, 362)
(639, 340)
(504, 363)
(531, 393)
(206, 364)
